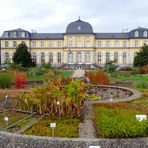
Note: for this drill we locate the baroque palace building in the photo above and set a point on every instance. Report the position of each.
(78, 47)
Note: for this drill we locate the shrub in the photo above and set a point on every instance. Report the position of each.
(144, 69)
(100, 77)
(119, 123)
(5, 80)
(20, 79)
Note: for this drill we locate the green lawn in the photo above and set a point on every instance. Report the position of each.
(64, 74)
(66, 127)
(142, 78)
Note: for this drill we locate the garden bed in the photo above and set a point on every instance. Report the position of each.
(66, 127)
(118, 120)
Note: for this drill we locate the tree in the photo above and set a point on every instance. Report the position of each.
(141, 58)
(22, 56)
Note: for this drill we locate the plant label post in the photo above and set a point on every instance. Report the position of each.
(141, 117)
(94, 146)
(53, 126)
(58, 104)
(6, 119)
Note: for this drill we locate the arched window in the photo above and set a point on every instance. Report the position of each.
(42, 57)
(79, 57)
(145, 34)
(116, 57)
(7, 57)
(124, 57)
(6, 34)
(59, 57)
(23, 34)
(87, 57)
(107, 57)
(14, 34)
(34, 57)
(50, 57)
(136, 34)
(70, 57)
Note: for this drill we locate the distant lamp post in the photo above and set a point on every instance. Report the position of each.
(53, 126)
(58, 104)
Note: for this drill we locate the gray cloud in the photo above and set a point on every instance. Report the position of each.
(55, 15)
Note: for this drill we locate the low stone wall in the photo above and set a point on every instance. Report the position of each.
(9, 140)
(118, 94)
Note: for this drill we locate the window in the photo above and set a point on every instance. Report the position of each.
(59, 44)
(6, 34)
(99, 57)
(6, 44)
(116, 57)
(79, 44)
(107, 43)
(34, 57)
(34, 44)
(87, 43)
(70, 43)
(14, 44)
(7, 57)
(42, 57)
(99, 44)
(87, 57)
(14, 34)
(59, 57)
(23, 34)
(136, 43)
(136, 34)
(50, 57)
(79, 27)
(145, 34)
(107, 57)
(124, 57)
(116, 44)
(51, 44)
(124, 44)
(42, 43)
(79, 57)
(70, 57)
(145, 42)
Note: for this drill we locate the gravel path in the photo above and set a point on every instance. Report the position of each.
(87, 128)
(78, 73)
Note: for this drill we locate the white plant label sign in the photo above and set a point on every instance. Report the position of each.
(141, 117)
(52, 125)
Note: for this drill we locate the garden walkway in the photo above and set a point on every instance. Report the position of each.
(78, 73)
(87, 128)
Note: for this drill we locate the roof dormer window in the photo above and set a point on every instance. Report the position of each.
(79, 27)
(23, 34)
(145, 34)
(136, 34)
(14, 34)
(6, 34)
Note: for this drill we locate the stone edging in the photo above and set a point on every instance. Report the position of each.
(135, 94)
(9, 140)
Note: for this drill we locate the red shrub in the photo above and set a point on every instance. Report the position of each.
(100, 77)
(20, 79)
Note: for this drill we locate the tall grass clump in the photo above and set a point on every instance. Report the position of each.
(5, 80)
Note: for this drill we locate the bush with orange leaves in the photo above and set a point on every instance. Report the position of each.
(20, 79)
(100, 77)
(144, 69)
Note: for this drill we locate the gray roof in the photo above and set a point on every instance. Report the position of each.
(112, 35)
(85, 28)
(46, 36)
(18, 34)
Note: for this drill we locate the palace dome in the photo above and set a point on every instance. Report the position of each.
(79, 27)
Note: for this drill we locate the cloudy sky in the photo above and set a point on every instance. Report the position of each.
(55, 15)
